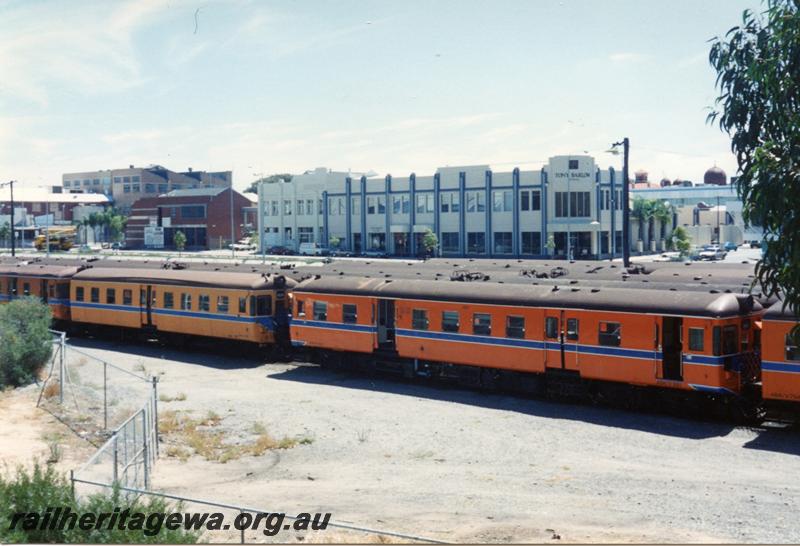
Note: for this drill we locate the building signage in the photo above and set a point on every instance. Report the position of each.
(572, 174)
(154, 237)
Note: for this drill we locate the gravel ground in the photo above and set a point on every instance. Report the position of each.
(466, 466)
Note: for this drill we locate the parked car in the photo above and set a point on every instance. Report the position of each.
(118, 246)
(374, 254)
(242, 244)
(280, 251)
(730, 246)
(340, 253)
(313, 249)
(712, 252)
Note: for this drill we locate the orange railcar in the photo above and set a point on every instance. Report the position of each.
(678, 340)
(50, 283)
(780, 364)
(240, 306)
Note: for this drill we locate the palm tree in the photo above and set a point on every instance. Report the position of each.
(5, 233)
(663, 212)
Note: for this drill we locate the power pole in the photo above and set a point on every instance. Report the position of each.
(626, 212)
(13, 242)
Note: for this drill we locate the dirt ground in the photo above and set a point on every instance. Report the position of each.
(28, 434)
(458, 465)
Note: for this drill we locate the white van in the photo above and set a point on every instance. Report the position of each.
(313, 249)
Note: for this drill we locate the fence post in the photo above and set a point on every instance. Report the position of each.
(116, 436)
(105, 395)
(155, 413)
(145, 454)
(61, 365)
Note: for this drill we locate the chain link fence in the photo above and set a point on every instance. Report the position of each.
(113, 408)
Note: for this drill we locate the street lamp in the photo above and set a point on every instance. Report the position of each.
(626, 246)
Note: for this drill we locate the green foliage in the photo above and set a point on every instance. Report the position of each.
(757, 67)
(5, 234)
(179, 240)
(550, 245)
(26, 345)
(679, 240)
(285, 177)
(430, 242)
(642, 210)
(42, 488)
(334, 241)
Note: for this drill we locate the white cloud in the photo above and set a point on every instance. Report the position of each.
(84, 49)
(627, 57)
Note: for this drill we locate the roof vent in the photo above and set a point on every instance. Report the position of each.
(576, 290)
(673, 289)
(712, 291)
(595, 290)
(555, 288)
(573, 281)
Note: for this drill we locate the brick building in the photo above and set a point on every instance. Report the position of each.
(202, 214)
(125, 186)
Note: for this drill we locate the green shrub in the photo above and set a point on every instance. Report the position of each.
(25, 343)
(43, 488)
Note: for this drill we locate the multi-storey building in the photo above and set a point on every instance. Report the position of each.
(125, 186)
(570, 207)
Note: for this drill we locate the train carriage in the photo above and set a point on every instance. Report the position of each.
(677, 340)
(780, 365)
(239, 306)
(50, 283)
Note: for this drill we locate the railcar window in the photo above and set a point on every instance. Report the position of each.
(696, 339)
(26, 289)
(450, 321)
(551, 327)
(243, 305)
(79, 293)
(127, 297)
(320, 310)
(301, 308)
(515, 327)
(349, 314)
(111, 295)
(419, 319)
(482, 324)
(52, 291)
(716, 342)
(186, 301)
(12, 287)
(729, 340)
(62, 291)
(792, 350)
(169, 300)
(204, 302)
(572, 329)
(95, 295)
(222, 304)
(610, 334)
(263, 305)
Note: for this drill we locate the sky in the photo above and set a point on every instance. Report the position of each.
(261, 87)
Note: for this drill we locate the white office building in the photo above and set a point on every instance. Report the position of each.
(570, 207)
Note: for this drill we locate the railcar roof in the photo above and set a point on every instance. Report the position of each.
(38, 270)
(183, 277)
(777, 312)
(565, 296)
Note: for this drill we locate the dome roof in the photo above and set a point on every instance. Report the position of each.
(665, 182)
(715, 176)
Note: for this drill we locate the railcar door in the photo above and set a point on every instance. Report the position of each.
(146, 296)
(553, 340)
(43, 290)
(672, 349)
(569, 337)
(386, 327)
